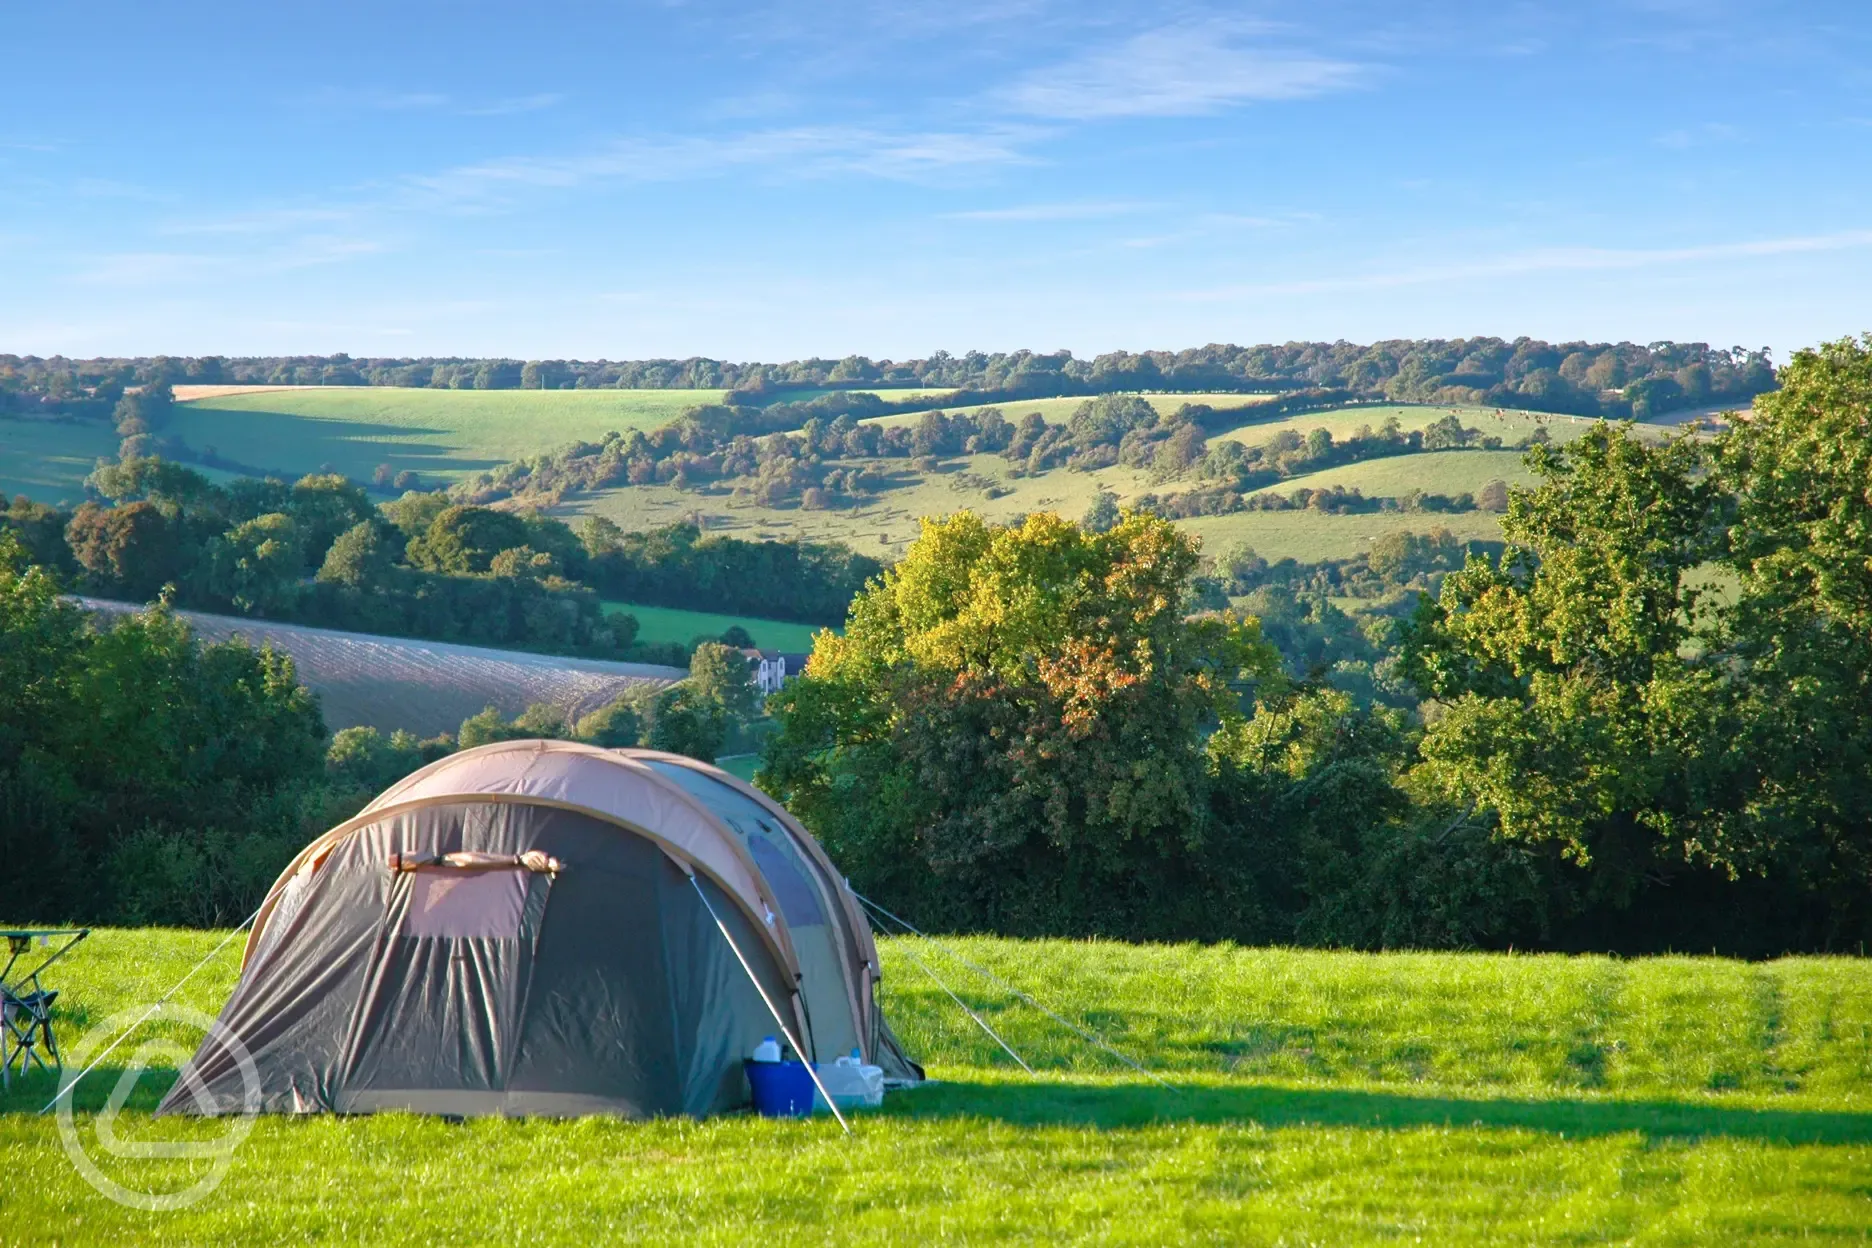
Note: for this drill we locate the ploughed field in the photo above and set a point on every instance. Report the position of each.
(1315, 1097)
(425, 687)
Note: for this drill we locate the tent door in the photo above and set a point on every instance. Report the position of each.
(442, 1005)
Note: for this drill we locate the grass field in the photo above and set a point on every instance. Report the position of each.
(676, 624)
(1056, 411)
(441, 434)
(1316, 1097)
(886, 525)
(48, 460)
(1309, 536)
(1510, 426)
(1434, 472)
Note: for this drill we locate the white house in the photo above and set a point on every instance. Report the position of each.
(770, 669)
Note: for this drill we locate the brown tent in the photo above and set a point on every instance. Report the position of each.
(542, 927)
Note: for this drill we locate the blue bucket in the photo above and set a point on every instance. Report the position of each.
(781, 1089)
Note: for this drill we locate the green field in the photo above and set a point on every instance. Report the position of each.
(1342, 422)
(441, 434)
(886, 525)
(1433, 472)
(658, 624)
(1309, 536)
(881, 527)
(1315, 1098)
(1056, 411)
(48, 460)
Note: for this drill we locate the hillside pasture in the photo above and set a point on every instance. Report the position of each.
(439, 434)
(884, 525)
(1511, 426)
(660, 624)
(1058, 411)
(1309, 536)
(1434, 472)
(48, 460)
(881, 526)
(1315, 1097)
(425, 687)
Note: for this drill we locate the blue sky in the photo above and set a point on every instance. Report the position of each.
(773, 180)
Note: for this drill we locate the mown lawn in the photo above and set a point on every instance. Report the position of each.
(1315, 1097)
(655, 624)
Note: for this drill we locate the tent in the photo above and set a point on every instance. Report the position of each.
(545, 928)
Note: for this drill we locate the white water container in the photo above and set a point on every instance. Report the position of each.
(853, 1084)
(768, 1050)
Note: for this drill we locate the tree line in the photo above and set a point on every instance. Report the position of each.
(1589, 379)
(1023, 729)
(147, 777)
(320, 551)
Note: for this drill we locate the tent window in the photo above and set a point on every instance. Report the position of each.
(798, 905)
(457, 904)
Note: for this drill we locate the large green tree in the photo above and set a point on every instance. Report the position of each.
(1010, 731)
(144, 776)
(1568, 705)
(1797, 638)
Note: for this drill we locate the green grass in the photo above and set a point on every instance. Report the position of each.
(657, 624)
(48, 460)
(741, 765)
(1056, 411)
(1509, 425)
(1309, 536)
(441, 434)
(1433, 472)
(1316, 1097)
(885, 526)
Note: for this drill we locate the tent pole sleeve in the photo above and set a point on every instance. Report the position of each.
(767, 1000)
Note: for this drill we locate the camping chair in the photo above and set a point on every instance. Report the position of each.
(26, 1027)
(26, 1038)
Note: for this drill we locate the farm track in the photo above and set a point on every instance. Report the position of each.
(426, 687)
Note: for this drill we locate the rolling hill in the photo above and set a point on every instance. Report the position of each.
(439, 434)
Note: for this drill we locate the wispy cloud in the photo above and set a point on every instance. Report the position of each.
(1550, 260)
(1705, 135)
(111, 188)
(1085, 210)
(261, 221)
(372, 100)
(353, 100)
(805, 151)
(170, 268)
(518, 104)
(1178, 71)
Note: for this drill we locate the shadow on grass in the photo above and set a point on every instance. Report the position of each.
(1122, 1106)
(1136, 1105)
(30, 1093)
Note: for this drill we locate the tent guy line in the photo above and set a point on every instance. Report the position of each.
(963, 1005)
(1089, 1037)
(67, 1089)
(765, 999)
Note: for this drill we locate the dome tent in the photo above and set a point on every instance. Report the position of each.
(531, 928)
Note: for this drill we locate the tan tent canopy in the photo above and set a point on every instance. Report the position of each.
(527, 927)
